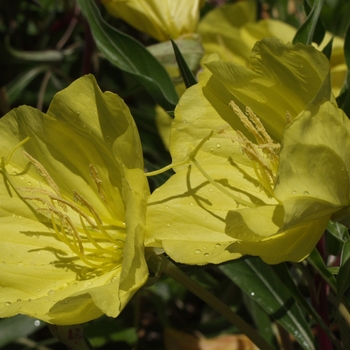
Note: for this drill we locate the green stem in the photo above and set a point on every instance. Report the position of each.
(174, 272)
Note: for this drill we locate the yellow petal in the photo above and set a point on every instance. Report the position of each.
(313, 178)
(72, 205)
(232, 30)
(160, 19)
(186, 216)
(264, 88)
(293, 244)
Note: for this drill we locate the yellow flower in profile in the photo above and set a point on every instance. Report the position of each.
(72, 207)
(236, 191)
(160, 19)
(232, 30)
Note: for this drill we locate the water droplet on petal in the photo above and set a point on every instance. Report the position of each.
(206, 255)
(192, 204)
(19, 300)
(217, 245)
(114, 278)
(8, 304)
(294, 192)
(167, 225)
(306, 193)
(197, 251)
(210, 190)
(212, 150)
(37, 323)
(51, 292)
(218, 145)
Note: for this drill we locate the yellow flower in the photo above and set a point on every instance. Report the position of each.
(158, 18)
(72, 207)
(235, 193)
(232, 30)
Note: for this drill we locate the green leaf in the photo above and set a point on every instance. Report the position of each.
(306, 32)
(261, 319)
(347, 48)
(130, 56)
(17, 327)
(336, 235)
(185, 71)
(258, 280)
(283, 274)
(15, 88)
(338, 231)
(327, 50)
(317, 263)
(190, 47)
(343, 279)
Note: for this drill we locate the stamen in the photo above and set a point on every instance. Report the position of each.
(85, 203)
(42, 172)
(98, 181)
(252, 152)
(256, 128)
(97, 218)
(188, 158)
(89, 241)
(9, 156)
(288, 118)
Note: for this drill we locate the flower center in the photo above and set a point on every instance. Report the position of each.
(75, 221)
(263, 154)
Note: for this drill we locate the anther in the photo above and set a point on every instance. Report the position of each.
(42, 172)
(98, 181)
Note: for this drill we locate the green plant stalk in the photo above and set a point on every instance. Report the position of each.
(174, 272)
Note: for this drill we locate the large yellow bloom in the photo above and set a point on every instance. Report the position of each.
(232, 30)
(234, 191)
(72, 207)
(160, 19)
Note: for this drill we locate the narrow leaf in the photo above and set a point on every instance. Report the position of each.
(327, 50)
(259, 281)
(185, 71)
(15, 88)
(283, 274)
(306, 32)
(130, 56)
(347, 48)
(343, 279)
(317, 263)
